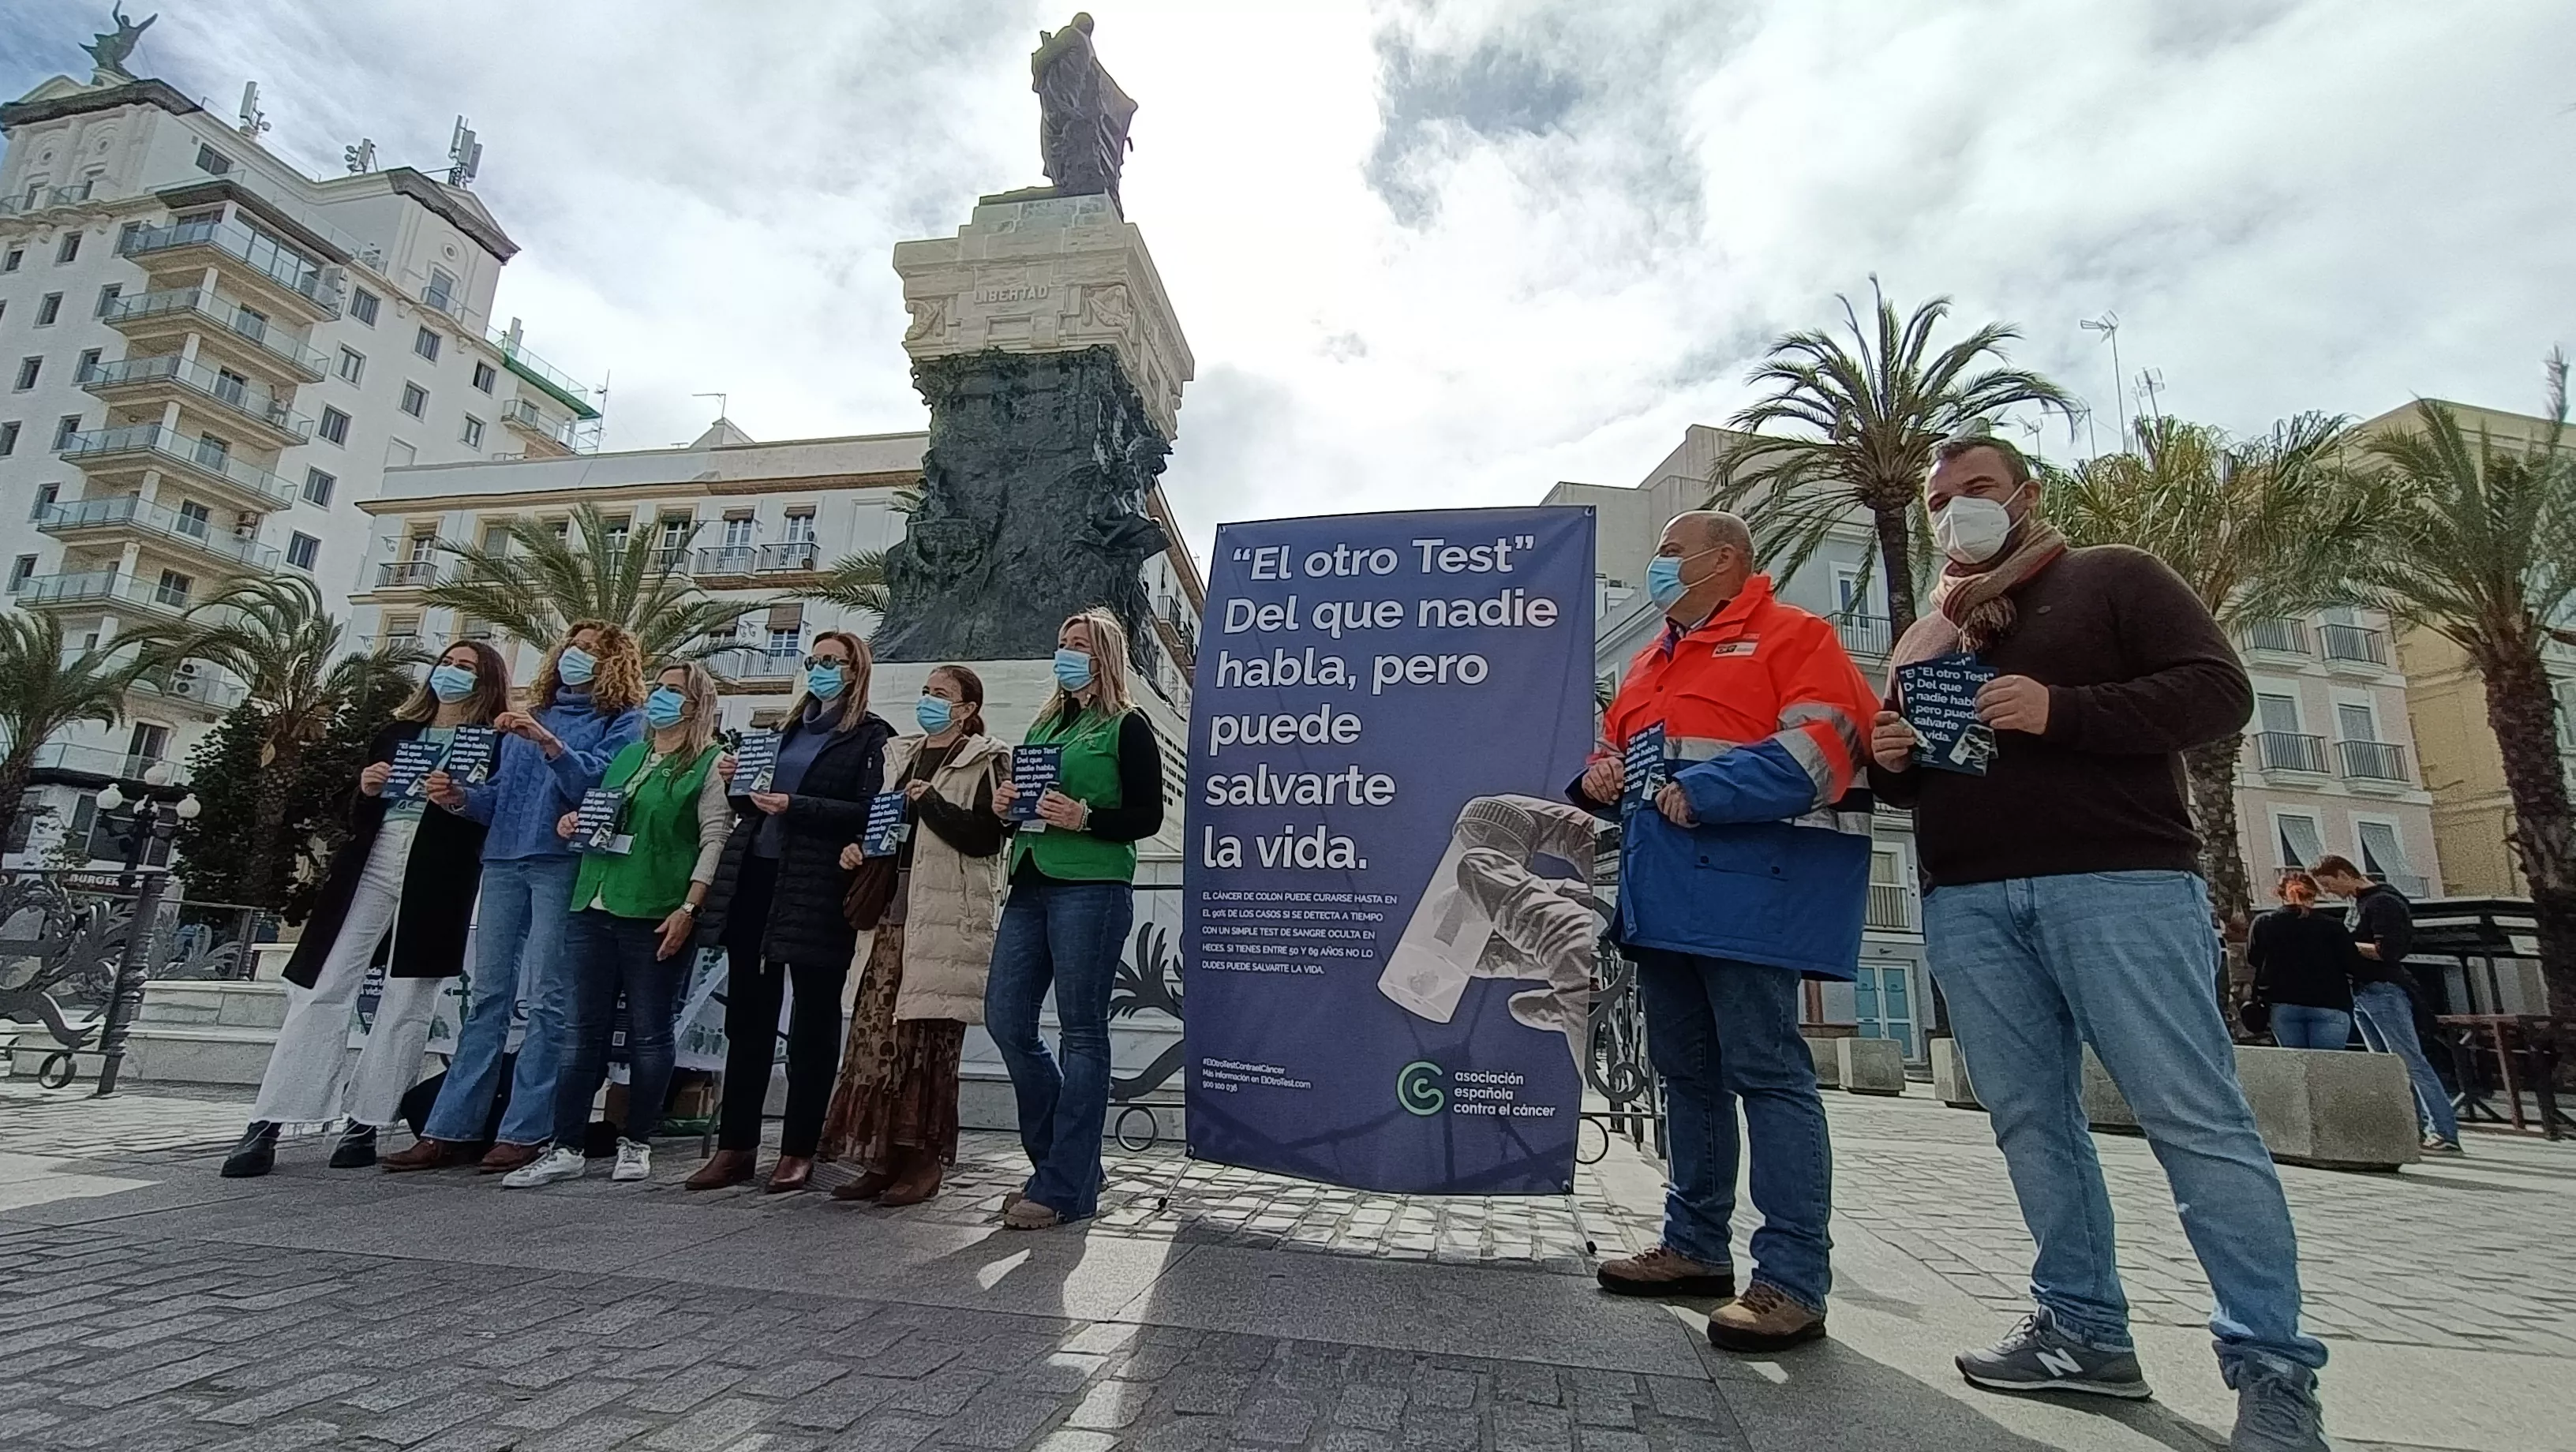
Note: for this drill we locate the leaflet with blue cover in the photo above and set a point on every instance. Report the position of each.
(1643, 770)
(413, 761)
(470, 754)
(886, 827)
(1033, 770)
(1938, 698)
(755, 762)
(595, 824)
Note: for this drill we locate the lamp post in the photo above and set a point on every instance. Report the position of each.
(152, 820)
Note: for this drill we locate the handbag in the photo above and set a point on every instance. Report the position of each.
(871, 893)
(2256, 1015)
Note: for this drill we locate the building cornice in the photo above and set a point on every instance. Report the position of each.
(471, 221)
(105, 98)
(672, 490)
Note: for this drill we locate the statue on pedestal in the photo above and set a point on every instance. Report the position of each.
(1082, 115)
(111, 48)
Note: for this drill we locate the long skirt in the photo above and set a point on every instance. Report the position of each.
(898, 1085)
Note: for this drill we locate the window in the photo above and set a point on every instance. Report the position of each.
(362, 306)
(485, 377)
(46, 494)
(149, 742)
(125, 236)
(425, 343)
(473, 435)
(335, 426)
(193, 519)
(2300, 842)
(800, 527)
(353, 364)
(88, 361)
(66, 429)
(317, 486)
(24, 566)
(48, 309)
(2356, 721)
(107, 297)
(441, 292)
(68, 250)
(786, 643)
(16, 255)
(415, 400)
(2274, 713)
(300, 550)
(211, 161)
(2384, 857)
(173, 589)
(737, 531)
(214, 452)
(8, 439)
(28, 368)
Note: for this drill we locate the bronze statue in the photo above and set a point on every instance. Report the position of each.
(1082, 115)
(110, 48)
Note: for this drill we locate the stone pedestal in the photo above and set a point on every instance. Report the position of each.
(1870, 1066)
(2327, 1108)
(1950, 1076)
(1829, 1064)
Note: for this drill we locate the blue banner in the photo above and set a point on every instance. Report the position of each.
(1388, 920)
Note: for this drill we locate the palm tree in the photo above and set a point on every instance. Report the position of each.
(854, 582)
(42, 690)
(2486, 557)
(541, 579)
(2259, 529)
(1863, 419)
(272, 633)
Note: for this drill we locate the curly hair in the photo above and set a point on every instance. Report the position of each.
(616, 684)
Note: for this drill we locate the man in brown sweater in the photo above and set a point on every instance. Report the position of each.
(2063, 906)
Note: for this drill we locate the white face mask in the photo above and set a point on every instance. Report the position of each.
(1969, 530)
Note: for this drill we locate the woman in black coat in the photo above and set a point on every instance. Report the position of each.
(406, 870)
(775, 908)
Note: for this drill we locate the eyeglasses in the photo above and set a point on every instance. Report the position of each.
(813, 661)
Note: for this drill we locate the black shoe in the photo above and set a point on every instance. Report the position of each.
(255, 1155)
(357, 1148)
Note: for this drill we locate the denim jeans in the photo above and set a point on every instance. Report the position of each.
(2035, 967)
(1722, 1032)
(518, 953)
(2386, 1014)
(2297, 1026)
(603, 955)
(1066, 935)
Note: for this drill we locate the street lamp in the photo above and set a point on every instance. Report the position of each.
(159, 808)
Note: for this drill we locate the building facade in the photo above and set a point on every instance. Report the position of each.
(211, 360)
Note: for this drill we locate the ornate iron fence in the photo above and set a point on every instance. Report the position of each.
(73, 965)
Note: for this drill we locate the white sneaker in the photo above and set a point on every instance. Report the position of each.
(560, 1163)
(634, 1160)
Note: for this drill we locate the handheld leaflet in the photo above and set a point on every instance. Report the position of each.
(413, 761)
(755, 762)
(471, 754)
(1643, 770)
(1033, 770)
(1939, 700)
(595, 825)
(886, 827)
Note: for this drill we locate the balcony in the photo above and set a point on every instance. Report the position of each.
(1863, 634)
(152, 446)
(792, 557)
(162, 378)
(45, 199)
(1891, 908)
(2280, 637)
(197, 686)
(573, 395)
(2373, 761)
(2290, 751)
(93, 760)
(802, 554)
(272, 269)
(172, 313)
(547, 437)
(2354, 645)
(407, 574)
(130, 514)
(101, 590)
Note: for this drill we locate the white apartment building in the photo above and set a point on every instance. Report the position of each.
(207, 361)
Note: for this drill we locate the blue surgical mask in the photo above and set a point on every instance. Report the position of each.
(823, 681)
(665, 706)
(933, 713)
(575, 665)
(1664, 579)
(1072, 669)
(451, 683)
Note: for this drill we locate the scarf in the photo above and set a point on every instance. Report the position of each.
(1972, 608)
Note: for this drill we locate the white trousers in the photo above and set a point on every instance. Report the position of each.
(309, 1079)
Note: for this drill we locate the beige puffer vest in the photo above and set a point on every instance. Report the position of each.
(955, 901)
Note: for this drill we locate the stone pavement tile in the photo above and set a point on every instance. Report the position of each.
(678, 1393)
(1275, 1421)
(1062, 1373)
(280, 1437)
(127, 1425)
(886, 1434)
(562, 1404)
(1071, 1440)
(1207, 1391)
(1444, 1389)
(422, 1420)
(1681, 1397)
(138, 1385)
(839, 1404)
(1101, 1338)
(998, 1422)
(1598, 1439)
(25, 1420)
(304, 1391)
(799, 1377)
(1519, 1427)
(1111, 1406)
(942, 1393)
(1438, 1430)
(718, 1424)
(1375, 1407)
(590, 1434)
(908, 1359)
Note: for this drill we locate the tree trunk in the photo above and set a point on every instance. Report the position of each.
(1896, 560)
(15, 770)
(2212, 770)
(259, 878)
(2523, 714)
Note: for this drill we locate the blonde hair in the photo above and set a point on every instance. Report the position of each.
(491, 694)
(699, 685)
(1108, 669)
(616, 683)
(854, 691)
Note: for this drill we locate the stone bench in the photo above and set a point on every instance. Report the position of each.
(2330, 1109)
(1950, 1076)
(1869, 1066)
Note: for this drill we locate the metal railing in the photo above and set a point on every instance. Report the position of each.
(1863, 634)
(195, 453)
(2284, 637)
(801, 554)
(727, 559)
(134, 512)
(537, 370)
(250, 400)
(37, 199)
(2291, 751)
(1891, 907)
(198, 302)
(2354, 643)
(205, 688)
(406, 574)
(266, 255)
(103, 587)
(2372, 760)
(100, 760)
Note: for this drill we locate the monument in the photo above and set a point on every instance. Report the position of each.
(111, 48)
(1047, 350)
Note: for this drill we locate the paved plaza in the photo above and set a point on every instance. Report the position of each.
(151, 1305)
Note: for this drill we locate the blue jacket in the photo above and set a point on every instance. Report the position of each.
(527, 794)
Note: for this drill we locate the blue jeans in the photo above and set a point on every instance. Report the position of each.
(1068, 935)
(603, 955)
(2387, 1016)
(2297, 1026)
(1719, 1032)
(2035, 967)
(518, 953)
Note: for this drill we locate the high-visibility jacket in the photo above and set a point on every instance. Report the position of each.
(1765, 726)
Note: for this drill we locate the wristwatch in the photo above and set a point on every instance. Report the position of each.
(690, 908)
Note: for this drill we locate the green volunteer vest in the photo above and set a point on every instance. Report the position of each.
(1090, 772)
(652, 880)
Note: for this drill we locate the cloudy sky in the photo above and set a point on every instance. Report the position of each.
(1448, 253)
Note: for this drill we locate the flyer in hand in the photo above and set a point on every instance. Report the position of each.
(886, 827)
(471, 754)
(413, 761)
(1033, 770)
(1643, 770)
(755, 762)
(594, 829)
(1939, 700)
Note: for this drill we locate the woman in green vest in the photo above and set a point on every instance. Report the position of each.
(634, 912)
(1072, 900)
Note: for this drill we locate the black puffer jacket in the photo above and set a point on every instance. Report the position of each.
(827, 813)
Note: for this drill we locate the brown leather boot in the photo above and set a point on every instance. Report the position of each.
(724, 1167)
(424, 1154)
(792, 1173)
(865, 1187)
(918, 1182)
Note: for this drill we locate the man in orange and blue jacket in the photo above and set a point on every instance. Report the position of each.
(1735, 744)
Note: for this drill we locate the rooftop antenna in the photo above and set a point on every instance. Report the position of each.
(252, 123)
(2108, 325)
(464, 155)
(361, 157)
(2151, 381)
(718, 397)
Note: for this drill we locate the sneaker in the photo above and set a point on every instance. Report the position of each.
(256, 1155)
(634, 1160)
(560, 1163)
(2434, 1144)
(2276, 1407)
(356, 1149)
(2036, 1356)
(1030, 1215)
(1661, 1270)
(1763, 1319)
